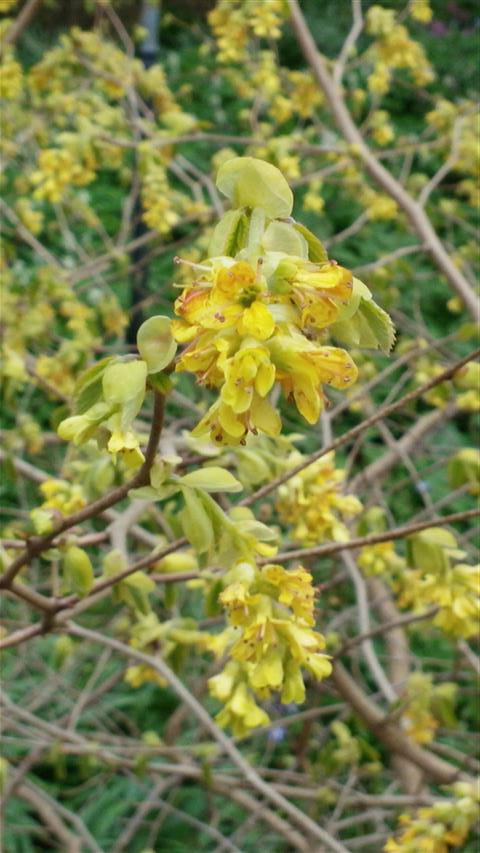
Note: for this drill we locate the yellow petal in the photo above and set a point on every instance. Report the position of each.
(265, 417)
(257, 322)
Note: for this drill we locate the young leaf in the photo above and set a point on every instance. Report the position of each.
(379, 324)
(78, 570)
(196, 522)
(316, 250)
(284, 237)
(249, 182)
(229, 234)
(124, 382)
(155, 343)
(88, 389)
(212, 479)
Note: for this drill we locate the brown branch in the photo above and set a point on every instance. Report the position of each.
(385, 627)
(414, 212)
(382, 413)
(309, 826)
(21, 636)
(21, 22)
(435, 768)
(36, 544)
(374, 538)
(378, 469)
(33, 796)
(398, 667)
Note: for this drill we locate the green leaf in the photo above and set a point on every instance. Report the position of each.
(212, 479)
(140, 581)
(360, 291)
(155, 343)
(464, 468)
(284, 237)
(229, 234)
(379, 325)
(252, 467)
(196, 522)
(432, 549)
(160, 382)
(78, 571)
(124, 382)
(88, 389)
(316, 250)
(363, 323)
(249, 182)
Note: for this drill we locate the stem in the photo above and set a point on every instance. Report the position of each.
(384, 412)
(37, 544)
(374, 538)
(418, 218)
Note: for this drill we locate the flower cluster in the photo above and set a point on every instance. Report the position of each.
(427, 705)
(311, 503)
(394, 48)
(108, 398)
(380, 559)
(271, 610)
(58, 169)
(259, 307)
(236, 22)
(438, 579)
(61, 498)
(439, 827)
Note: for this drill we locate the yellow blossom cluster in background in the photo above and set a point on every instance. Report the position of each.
(271, 610)
(438, 828)
(313, 505)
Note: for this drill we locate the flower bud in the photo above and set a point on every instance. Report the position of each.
(78, 570)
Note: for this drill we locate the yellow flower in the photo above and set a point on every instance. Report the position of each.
(302, 368)
(241, 713)
(249, 323)
(296, 590)
(273, 608)
(453, 589)
(311, 502)
(316, 290)
(380, 558)
(225, 426)
(62, 496)
(420, 11)
(380, 21)
(221, 685)
(11, 79)
(257, 322)
(248, 372)
(141, 674)
(127, 444)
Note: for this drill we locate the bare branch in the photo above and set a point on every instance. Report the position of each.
(415, 213)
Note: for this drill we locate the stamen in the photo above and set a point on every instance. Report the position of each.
(178, 260)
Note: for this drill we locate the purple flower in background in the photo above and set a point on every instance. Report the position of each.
(438, 28)
(277, 734)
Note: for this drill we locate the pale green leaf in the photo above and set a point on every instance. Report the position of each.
(155, 343)
(229, 234)
(196, 522)
(284, 237)
(212, 479)
(88, 389)
(316, 250)
(249, 182)
(124, 381)
(379, 324)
